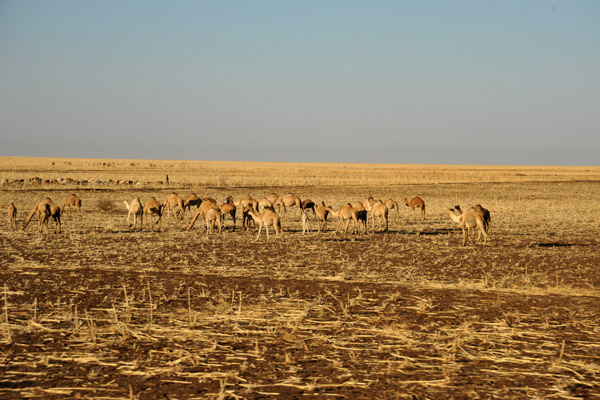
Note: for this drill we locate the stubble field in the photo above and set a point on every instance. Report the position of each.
(100, 311)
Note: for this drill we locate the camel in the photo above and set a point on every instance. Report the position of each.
(172, 201)
(414, 203)
(191, 200)
(380, 212)
(361, 215)
(248, 200)
(305, 222)
(392, 205)
(309, 205)
(287, 200)
(487, 219)
(322, 212)
(246, 218)
(44, 210)
(273, 197)
(269, 217)
(207, 204)
(213, 216)
(72, 201)
(472, 218)
(265, 204)
(135, 208)
(228, 208)
(12, 215)
(344, 214)
(151, 207)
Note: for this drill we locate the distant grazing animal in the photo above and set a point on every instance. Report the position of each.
(72, 201)
(12, 216)
(191, 200)
(471, 218)
(172, 201)
(152, 207)
(416, 203)
(207, 204)
(136, 209)
(44, 210)
(269, 217)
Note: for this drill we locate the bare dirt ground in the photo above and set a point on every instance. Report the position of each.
(103, 312)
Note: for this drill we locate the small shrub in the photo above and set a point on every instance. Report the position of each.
(105, 205)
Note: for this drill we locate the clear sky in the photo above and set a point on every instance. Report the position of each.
(468, 82)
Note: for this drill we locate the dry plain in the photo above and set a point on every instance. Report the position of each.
(103, 312)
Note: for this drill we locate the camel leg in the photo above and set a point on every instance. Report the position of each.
(267, 228)
(259, 229)
(464, 236)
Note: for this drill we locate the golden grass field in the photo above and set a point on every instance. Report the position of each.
(103, 312)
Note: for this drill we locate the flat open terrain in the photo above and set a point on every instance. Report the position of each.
(101, 311)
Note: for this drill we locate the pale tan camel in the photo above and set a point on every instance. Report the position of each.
(72, 201)
(172, 201)
(191, 200)
(472, 218)
(248, 200)
(414, 203)
(135, 208)
(487, 219)
(207, 204)
(305, 222)
(344, 214)
(12, 216)
(44, 210)
(393, 205)
(273, 197)
(380, 213)
(152, 207)
(368, 204)
(269, 217)
(287, 200)
(213, 217)
(322, 212)
(228, 208)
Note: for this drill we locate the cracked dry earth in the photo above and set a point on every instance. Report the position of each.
(102, 312)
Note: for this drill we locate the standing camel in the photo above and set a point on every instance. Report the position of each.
(191, 200)
(380, 212)
(269, 217)
(72, 201)
(471, 218)
(12, 215)
(344, 214)
(135, 208)
(207, 204)
(228, 208)
(248, 200)
(322, 212)
(288, 200)
(414, 203)
(305, 222)
(151, 207)
(172, 201)
(44, 210)
(392, 205)
(309, 205)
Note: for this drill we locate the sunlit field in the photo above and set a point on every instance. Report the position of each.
(103, 311)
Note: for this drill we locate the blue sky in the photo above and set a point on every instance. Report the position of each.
(469, 82)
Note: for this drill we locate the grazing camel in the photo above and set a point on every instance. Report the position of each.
(287, 200)
(151, 207)
(305, 222)
(246, 218)
(44, 210)
(207, 204)
(487, 219)
(248, 200)
(265, 204)
(12, 215)
(380, 212)
(344, 214)
(414, 203)
(191, 200)
(135, 208)
(213, 216)
(309, 205)
(228, 208)
(392, 205)
(361, 215)
(72, 201)
(172, 201)
(273, 197)
(472, 218)
(269, 217)
(321, 212)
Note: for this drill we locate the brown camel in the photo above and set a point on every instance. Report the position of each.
(248, 200)
(12, 216)
(152, 207)
(321, 212)
(228, 208)
(207, 204)
(135, 208)
(44, 210)
(72, 201)
(414, 203)
(287, 200)
(344, 214)
(361, 215)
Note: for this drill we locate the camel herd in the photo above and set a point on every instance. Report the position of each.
(259, 214)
